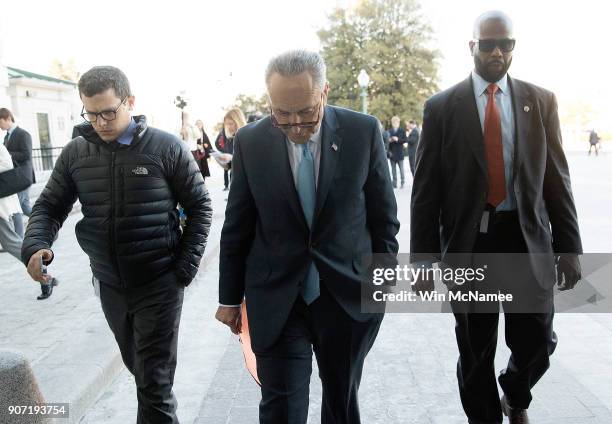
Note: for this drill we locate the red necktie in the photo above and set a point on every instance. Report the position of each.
(494, 150)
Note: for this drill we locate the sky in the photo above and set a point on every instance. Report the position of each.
(214, 50)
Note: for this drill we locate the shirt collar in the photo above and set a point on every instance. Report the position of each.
(11, 129)
(480, 84)
(128, 134)
(316, 137)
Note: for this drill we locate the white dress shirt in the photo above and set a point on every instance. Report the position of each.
(503, 99)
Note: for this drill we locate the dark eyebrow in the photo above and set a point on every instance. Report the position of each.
(111, 109)
(102, 111)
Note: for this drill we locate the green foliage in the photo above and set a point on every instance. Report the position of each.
(252, 104)
(390, 40)
(65, 70)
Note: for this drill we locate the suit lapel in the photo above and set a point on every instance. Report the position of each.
(330, 151)
(523, 111)
(282, 174)
(467, 114)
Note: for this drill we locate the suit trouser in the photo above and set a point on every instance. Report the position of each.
(400, 164)
(24, 201)
(340, 345)
(412, 157)
(227, 177)
(529, 335)
(9, 239)
(145, 322)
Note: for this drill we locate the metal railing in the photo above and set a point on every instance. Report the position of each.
(43, 159)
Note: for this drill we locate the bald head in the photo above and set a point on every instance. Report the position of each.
(492, 16)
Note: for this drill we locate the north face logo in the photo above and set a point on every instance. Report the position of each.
(140, 170)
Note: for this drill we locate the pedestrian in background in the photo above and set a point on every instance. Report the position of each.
(189, 133)
(594, 142)
(413, 141)
(232, 121)
(203, 151)
(18, 142)
(397, 140)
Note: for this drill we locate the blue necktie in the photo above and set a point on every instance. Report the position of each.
(307, 191)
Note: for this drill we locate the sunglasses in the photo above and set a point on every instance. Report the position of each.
(506, 45)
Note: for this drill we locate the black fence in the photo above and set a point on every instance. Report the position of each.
(43, 159)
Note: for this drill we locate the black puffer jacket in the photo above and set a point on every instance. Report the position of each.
(130, 229)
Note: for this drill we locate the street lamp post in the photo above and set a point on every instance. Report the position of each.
(364, 80)
(181, 102)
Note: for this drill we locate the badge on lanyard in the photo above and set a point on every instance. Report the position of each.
(484, 222)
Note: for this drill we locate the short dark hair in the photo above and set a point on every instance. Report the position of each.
(413, 122)
(100, 78)
(6, 114)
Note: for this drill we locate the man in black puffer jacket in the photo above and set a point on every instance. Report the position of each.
(128, 178)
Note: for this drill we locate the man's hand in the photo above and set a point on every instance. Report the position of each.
(35, 265)
(423, 283)
(569, 271)
(230, 316)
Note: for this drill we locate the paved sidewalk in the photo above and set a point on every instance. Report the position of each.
(409, 377)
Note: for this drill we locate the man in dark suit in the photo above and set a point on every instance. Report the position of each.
(19, 144)
(492, 178)
(397, 139)
(413, 141)
(311, 194)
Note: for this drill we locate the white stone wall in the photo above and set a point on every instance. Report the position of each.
(29, 97)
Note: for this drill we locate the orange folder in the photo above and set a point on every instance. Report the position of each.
(245, 341)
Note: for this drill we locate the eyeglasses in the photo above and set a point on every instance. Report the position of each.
(304, 124)
(107, 115)
(506, 45)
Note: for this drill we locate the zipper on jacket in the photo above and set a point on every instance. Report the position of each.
(122, 188)
(113, 230)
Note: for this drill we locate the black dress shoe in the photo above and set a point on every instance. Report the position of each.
(47, 288)
(515, 415)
